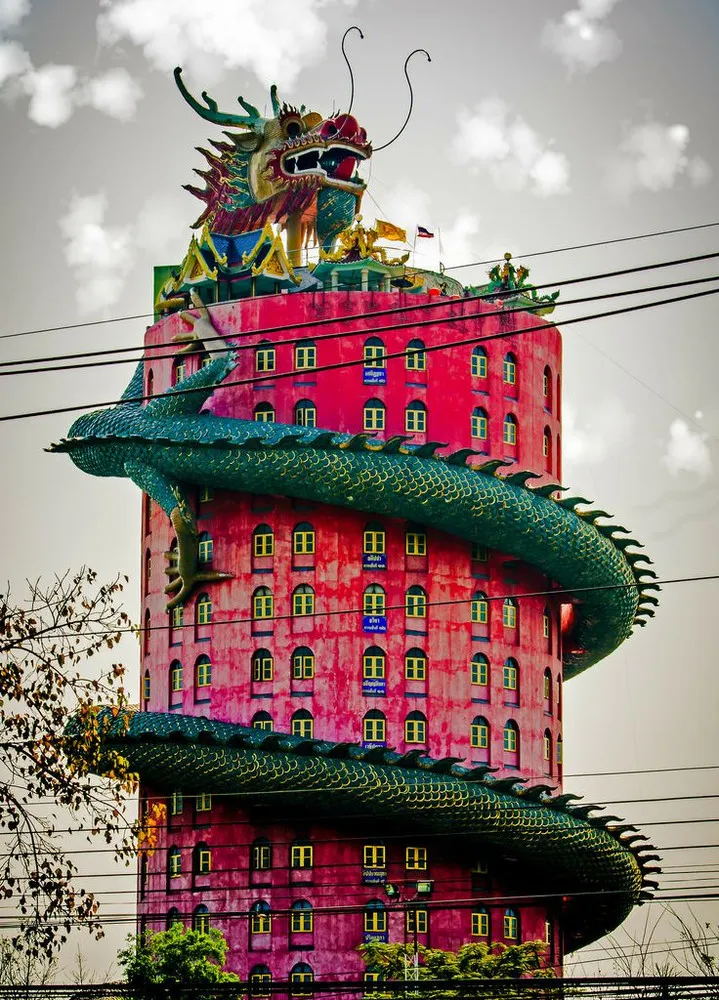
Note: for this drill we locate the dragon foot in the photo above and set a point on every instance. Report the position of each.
(183, 563)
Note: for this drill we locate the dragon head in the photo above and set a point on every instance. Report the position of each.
(296, 162)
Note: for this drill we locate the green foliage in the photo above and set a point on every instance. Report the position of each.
(177, 957)
(471, 962)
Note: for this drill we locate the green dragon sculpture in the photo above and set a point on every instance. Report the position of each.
(167, 446)
(296, 168)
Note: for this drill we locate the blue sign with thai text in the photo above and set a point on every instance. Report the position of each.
(374, 623)
(381, 937)
(374, 686)
(374, 876)
(375, 376)
(374, 560)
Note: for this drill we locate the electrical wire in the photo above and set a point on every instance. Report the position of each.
(363, 317)
(536, 253)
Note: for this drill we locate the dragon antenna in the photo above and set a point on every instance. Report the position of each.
(210, 113)
(354, 27)
(411, 99)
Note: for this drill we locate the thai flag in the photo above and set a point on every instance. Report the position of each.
(424, 233)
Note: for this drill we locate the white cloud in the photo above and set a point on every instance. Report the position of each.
(654, 156)
(609, 426)
(101, 256)
(687, 450)
(515, 156)
(579, 38)
(115, 93)
(274, 40)
(51, 92)
(14, 61)
(12, 12)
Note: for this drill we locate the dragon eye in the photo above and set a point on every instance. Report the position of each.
(293, 129)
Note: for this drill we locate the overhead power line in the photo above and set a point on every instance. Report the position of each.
(625, 310)
(364, 317)
(536, 253)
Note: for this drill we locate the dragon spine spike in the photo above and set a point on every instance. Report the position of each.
(547, 489)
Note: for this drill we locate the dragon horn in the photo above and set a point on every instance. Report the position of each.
(276, 107)
(210, 113)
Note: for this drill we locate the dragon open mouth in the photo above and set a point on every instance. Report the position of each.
(335, 163)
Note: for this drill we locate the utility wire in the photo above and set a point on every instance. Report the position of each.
(625, 310)
(536, 253)
(363, 317)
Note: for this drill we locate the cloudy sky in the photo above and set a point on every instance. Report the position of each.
(538, 125)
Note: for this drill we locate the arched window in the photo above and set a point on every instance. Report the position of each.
(301, 973)
(509, 613)
(547, 626)
(374, 539)
(263, 541)
(174, 862)
(173, 917)
(547, 449)
(511, 925)
(559, 399)
(375, 917)
(479, 670)
(260, 855)
(148, 568)
(146, 686)
(303, 724)
(265, 357)
(373, 415)
(373, 353)
(480, 424)
(509, 433)
(303, 664)
(150, 390)
(302, 854)
(547, 751)
(480, 922)
(301, 917)
(260, 917)
(479, 609)
(202, 859)
(479, 733)
(263, 604)
(205, 360)
(415, 417)
(147, 631)
(306, 354)
(560, 751)
(203, 672)
(559, 696)
(509, 369)
(260, 979)
(415, 728)
(547, 388)
(547, 691)
(303, 539)
(374, 600)
(205, 548)
(415, 602)
(179, 370)
(264, 413)
(415, 664)
(373, 662)
(262, 665)
(479, 362)
(511, 739)
(201, 919)
(374, 727)
(262, 720)
(205, 494)
(175, 677)
(203, 610)
(306, 413)
(303, 600)
(415, 358)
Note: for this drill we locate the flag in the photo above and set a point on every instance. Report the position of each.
(424, 233)
(388, 231)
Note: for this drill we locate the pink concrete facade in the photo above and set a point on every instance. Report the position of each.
(447, 680)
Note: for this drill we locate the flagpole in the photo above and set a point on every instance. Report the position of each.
(414, 246)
